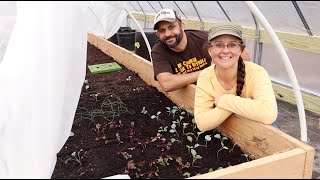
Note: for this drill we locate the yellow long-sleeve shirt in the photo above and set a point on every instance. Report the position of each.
(257, 101)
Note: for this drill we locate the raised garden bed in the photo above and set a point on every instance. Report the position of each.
(276, 154)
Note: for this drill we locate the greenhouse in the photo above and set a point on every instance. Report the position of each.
(80, 99)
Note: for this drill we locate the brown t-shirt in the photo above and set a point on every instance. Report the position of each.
(195, 57)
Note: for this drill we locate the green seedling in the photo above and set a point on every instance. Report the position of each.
(75, 157)
(195, 157)
(156, 116)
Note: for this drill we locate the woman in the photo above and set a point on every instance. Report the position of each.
(232, 85)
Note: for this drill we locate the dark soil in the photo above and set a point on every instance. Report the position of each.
(113, 135)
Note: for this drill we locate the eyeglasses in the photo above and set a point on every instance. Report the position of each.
(219, 46)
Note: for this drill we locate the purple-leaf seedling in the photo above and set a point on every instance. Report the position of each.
(130, 165)
(131, 133)
(181, 165)
(99, 130)
(118, 138)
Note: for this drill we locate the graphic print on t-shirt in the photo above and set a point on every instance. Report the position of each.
(190, 65)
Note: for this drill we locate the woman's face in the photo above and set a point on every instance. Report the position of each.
(225, 51)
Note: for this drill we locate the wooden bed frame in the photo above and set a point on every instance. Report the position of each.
(276, 154)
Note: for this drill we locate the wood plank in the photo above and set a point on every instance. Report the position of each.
(253, 137)
(289, 40)
(284, 93)
(288, 164)
(263, 140)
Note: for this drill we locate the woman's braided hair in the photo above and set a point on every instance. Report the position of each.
(240, 76)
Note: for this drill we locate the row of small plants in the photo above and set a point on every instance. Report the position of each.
(181, 129)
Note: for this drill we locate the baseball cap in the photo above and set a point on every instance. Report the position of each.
(168, 15)
(225, 28)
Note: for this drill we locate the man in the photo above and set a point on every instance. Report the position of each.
(179, 55)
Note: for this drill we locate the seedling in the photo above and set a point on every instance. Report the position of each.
(194, 124)
(113, 125)
(186, 174)
(161, 129)
(95, 96)
(86, 82)
(189, 134)
(233, 146)
(90, 115)
(172, 140)
(168, 110)
(199, 133)
(247, 156)
(126, 155)
(173, 129)
(114, 108)
(150, 173)
(144, 111)
(172, 111)
(156, 116)
(129, 78)
(99, 130)
(195, 157)
(118, 138)
(138, 89)
(181, 165)
(163, 161)
(131, 133)
(192, 147)
(75, 157)
(221, 142)
(184, 126)
(207, 138)
(179, 120)
(130, 165)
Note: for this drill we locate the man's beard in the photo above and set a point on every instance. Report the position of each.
(178, 38)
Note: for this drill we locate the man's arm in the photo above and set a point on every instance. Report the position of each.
(170, 82)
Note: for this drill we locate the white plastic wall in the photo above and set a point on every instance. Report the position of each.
(41, 75)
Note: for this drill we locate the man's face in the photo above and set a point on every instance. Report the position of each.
(170, 34)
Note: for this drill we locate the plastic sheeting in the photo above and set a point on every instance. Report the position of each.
(281, 14)
(8, 13)
(41, 75)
